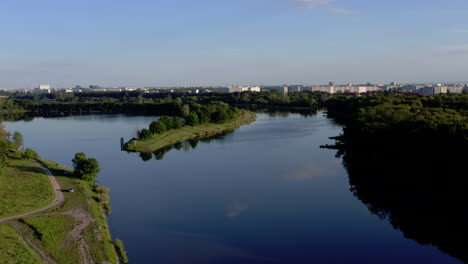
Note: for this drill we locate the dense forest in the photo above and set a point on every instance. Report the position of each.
(405, 159)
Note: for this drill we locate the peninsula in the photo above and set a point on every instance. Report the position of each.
(158, 141)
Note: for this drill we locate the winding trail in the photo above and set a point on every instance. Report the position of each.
(58, 196)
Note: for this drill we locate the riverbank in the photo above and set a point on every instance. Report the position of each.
(171, 137)
(73, 230)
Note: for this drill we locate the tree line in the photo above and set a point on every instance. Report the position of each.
(162, 103)
(405, 156)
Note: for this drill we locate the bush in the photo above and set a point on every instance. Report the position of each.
(167, 121)
(144, 134)
(176, 123)
(192, 119)
(30, 154)
(121, 250)
(157, 127)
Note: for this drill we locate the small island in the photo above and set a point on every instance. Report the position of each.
(201, 121)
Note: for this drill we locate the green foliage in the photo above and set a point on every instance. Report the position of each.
(4, 145)
(30, 154)
(17, 139)
(85, 168)
(176, 123)
(404, 157)
(185, 110)
(158, 127)
(103, 198)
(192, 119)
(144, 134)
(10, 106)
(167, 121)
(121, 250)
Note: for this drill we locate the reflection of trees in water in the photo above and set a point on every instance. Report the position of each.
(185, 145)
(284, 111)
(418, 184)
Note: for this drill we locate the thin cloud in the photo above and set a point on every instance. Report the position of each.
(324, 4)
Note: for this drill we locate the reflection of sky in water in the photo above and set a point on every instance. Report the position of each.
(264, 194)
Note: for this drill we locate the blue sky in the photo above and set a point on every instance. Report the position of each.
(222, 42)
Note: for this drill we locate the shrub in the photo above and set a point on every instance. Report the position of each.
(157, 127)
(144, 134)
(30, 154)
(121, 250)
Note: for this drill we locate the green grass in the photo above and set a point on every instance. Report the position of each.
(188, 132)
(99, 240)
(24, 187)
(13, 250)
(53, 231)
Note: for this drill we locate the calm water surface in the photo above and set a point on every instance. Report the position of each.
(264, 194)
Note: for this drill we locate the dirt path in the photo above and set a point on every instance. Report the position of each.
(58, 197)
(83, 219)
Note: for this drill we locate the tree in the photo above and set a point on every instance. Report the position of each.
(192, 120)
(30, 154)
(3, 133)
(185, 110)
(157, 127)
(17, 139)
(4, 145)
(167, 121)
(86, 169)
(144, 134)
(176, 123)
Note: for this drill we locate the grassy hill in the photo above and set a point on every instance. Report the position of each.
(24, 187)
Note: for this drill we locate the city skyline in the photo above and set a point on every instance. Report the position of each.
(211, 43)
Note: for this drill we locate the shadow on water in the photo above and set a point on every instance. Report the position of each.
(284, 111)
(418, 184)
(185, 145)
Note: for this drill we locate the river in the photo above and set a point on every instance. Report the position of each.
(265, 193)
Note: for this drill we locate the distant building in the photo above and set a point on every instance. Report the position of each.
(439, 89)
(428, 90)
(455, 89)
(237, 89)
(255, 89)
(44, 87)
(221, 90)
(283, 89)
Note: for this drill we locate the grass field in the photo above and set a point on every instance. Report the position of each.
(52, 231)
(99, 242)
(12, 248)
(187, 132)
(24, 187)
